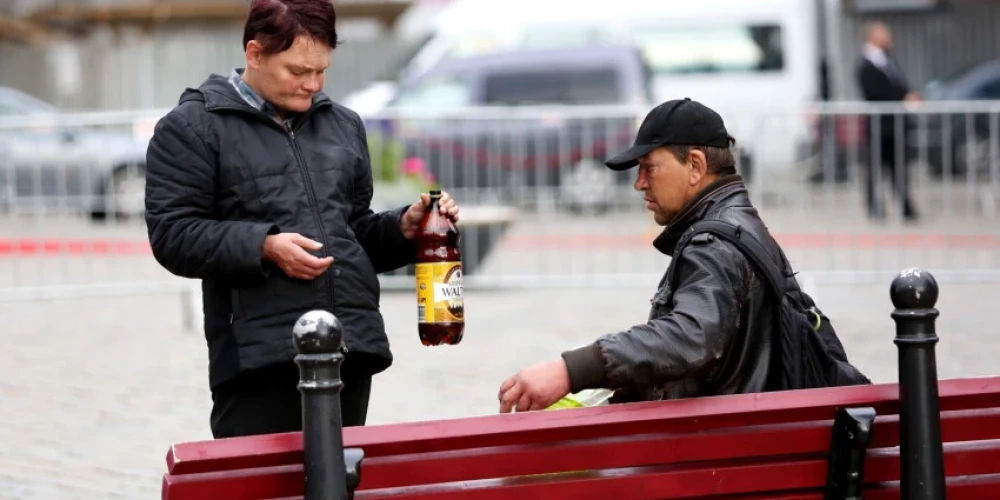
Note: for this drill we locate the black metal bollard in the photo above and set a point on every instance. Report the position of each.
(318, 337)
(914, 293)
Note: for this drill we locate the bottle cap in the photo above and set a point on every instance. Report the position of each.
(435, 193)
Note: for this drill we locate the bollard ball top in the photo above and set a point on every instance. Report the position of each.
(318, 332)
(914, 289)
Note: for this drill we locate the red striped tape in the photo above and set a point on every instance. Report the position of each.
(39, 247)
(32, 247)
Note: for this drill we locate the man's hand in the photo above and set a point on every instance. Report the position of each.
(410, 221)
(535, 387)
(288, 251)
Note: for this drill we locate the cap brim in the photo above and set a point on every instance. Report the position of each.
(630, 157)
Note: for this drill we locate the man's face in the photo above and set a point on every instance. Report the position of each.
(668, 184)
(290, 79)
(882, 37)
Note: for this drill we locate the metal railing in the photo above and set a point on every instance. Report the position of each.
(539, 209)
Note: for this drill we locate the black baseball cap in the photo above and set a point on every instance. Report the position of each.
(681, 121)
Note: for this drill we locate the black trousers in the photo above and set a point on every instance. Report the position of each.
(897, 172)
(267, 400)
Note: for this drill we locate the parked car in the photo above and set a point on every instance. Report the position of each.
(524, 118)
(53, 160)
(719, 52)
(951, 133)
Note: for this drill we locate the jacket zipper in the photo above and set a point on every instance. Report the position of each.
(314, 204)
(310, 192)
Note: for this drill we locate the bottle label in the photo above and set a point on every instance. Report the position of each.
(439, 292)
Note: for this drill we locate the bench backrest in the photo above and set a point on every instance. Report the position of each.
(745, 443)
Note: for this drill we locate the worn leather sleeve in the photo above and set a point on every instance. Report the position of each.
(690, 335)
(585, 366)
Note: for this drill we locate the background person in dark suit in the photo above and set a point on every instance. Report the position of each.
(881, 79)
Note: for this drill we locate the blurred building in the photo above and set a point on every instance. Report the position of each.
(86, 54)
(141, 53)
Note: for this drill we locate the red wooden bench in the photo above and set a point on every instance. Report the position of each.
(814, 444)
(721, 447)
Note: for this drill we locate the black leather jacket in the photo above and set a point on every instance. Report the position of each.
(708, 336)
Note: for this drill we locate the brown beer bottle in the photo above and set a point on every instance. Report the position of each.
(440, 308)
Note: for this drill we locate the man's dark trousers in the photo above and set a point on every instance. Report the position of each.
(888, 164)
(267, 400)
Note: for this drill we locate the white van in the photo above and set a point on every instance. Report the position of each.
(741, 57)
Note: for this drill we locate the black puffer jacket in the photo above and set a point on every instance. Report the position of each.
(221, 176)
(709, 336)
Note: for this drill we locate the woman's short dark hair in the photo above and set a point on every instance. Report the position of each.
(277, 23)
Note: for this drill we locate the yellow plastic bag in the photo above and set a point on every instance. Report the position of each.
(582, 399)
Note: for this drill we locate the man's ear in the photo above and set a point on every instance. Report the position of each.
(699, 166)
(254, 54)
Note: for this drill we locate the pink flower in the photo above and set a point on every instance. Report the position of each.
(414, 165)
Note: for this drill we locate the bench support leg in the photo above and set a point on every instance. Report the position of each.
(852, 432)
(352, 459)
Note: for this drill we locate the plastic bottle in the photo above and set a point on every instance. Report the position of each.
(440, 304)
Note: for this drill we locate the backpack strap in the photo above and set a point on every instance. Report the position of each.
(749, 245)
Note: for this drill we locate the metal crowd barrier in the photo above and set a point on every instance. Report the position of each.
(539, 208)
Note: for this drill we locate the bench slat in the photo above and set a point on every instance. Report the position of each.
(247, 484)
(641, 450)
(286, 480)
(693, 480)
(688, 415)
(959, 488)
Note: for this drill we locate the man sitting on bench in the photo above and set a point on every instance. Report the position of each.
(711, 329)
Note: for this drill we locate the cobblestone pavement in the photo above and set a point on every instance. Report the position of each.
(95, 390)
